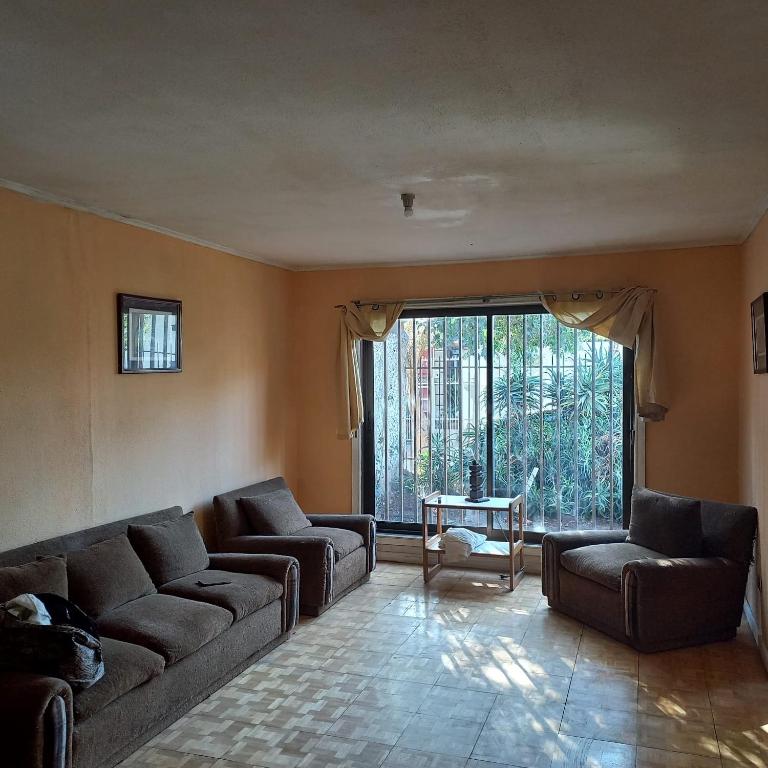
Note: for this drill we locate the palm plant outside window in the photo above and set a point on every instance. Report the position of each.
(545, 409)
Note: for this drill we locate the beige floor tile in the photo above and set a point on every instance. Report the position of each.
(410, 758)
(376, 724)
(322, 684)
(520, 746)
(661, 758)
(393, 694)
(600, 689)
(415, 669)
(576, 752)
(474, 763)
(202, 735)
(457, 703)
(695, 738)
(365, 603)
(598, 723)
(152, 757)
(389, 623)
(743, 747)
(356, 662)
(300, 654)
(678, 705)
(440, 735)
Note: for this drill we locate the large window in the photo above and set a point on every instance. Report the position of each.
(546, 410)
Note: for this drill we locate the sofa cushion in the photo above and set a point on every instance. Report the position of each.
(603, 563)
(344, 541)
(244, 594)
(668, 524)
(168, 625)
(126, 666)
(48, 574)
(106, 575)
(274, 514)
(171, 549)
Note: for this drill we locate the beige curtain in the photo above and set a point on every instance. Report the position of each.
(625, 317)
(369, 323)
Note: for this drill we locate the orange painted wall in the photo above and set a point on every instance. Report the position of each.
(754, 416)
(698, 323)
(82, 445)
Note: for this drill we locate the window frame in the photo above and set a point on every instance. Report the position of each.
(368, 468)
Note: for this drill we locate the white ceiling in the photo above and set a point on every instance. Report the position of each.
(286, 131)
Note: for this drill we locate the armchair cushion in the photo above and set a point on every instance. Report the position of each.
(170, 550)
(344, 541)
(274, 514)
(244, 594)
(604, 563)
(668, 524)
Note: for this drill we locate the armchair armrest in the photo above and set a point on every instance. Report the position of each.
(687, 598)
(283, 569)
(554, 544)
(365, 525)
(35, 720)
(314, 553)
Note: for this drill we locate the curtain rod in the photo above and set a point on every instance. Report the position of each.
(487, 299)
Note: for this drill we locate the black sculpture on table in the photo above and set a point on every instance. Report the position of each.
(476, 483)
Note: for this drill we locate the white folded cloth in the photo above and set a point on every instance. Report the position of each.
(459, 543)
(28, 608)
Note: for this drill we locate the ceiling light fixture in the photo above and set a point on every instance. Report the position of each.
(407, 198)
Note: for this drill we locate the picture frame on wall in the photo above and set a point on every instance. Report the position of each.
(759, 334)
(148, 334)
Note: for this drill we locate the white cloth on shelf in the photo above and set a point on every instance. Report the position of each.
(459, 543)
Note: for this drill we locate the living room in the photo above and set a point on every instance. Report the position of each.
(270, 173)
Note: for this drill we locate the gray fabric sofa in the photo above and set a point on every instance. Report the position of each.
(646, 598)
(336, 554)
(164, 652)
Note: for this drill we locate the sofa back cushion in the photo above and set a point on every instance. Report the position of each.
(170, 550)
(274, 514)
(667, 524)
(46, 575)
(106, 575)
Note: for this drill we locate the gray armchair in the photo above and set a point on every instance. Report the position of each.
(336, 554)
(646, 598)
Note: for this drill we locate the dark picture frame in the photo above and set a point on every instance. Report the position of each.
(760, 334)
(148, 334)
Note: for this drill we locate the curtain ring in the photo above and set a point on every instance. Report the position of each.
(599, 294)
(576, 296)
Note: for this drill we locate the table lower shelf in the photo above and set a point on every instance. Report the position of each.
(489, 549)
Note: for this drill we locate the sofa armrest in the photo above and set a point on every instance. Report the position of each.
(314, 553)
(35, 721)
(554, 544)
(687, 598)
(283, 569)
(365, 525)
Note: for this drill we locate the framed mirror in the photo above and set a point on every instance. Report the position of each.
(148, 334)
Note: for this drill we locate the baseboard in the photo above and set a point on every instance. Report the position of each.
(754, 628)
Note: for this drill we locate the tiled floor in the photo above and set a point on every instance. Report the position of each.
(463, 674)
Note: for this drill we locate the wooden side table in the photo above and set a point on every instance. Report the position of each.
(508, 550)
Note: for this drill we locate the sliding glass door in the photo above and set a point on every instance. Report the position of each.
(545, 410)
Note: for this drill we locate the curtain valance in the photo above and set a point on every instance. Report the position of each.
(625, 317)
